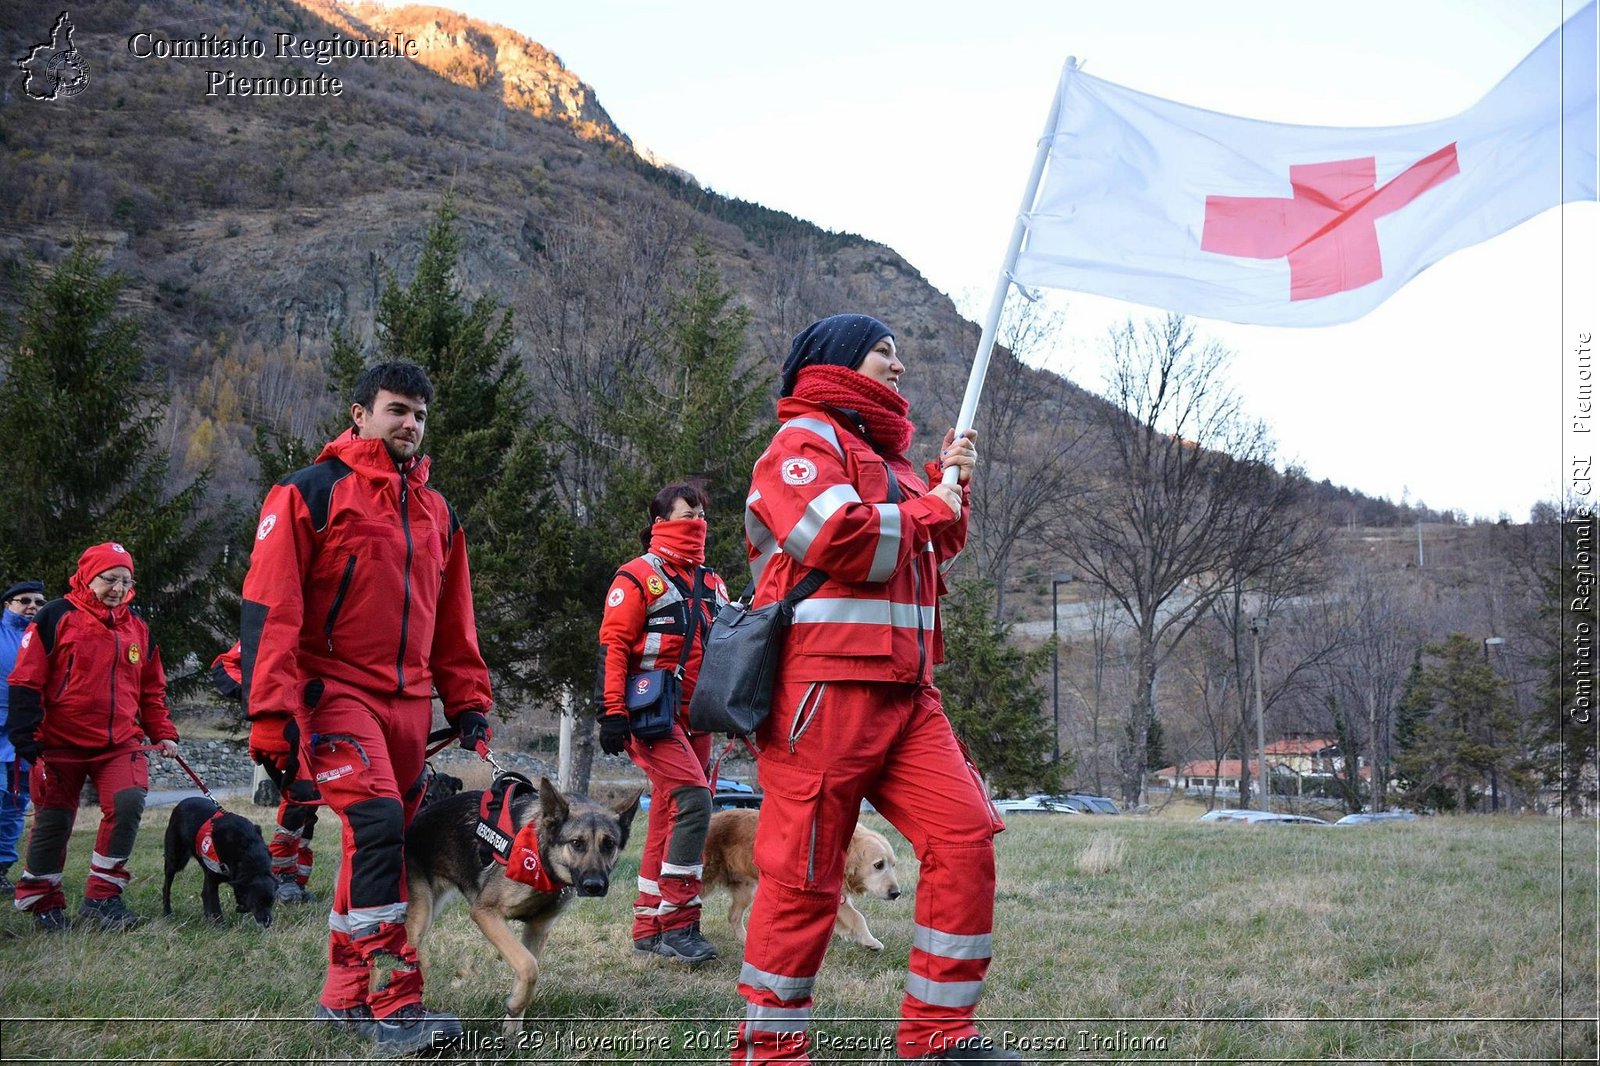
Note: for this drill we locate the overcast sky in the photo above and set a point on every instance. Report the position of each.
(914, 124)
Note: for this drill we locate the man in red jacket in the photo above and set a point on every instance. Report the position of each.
(358, 604)
(87, 691)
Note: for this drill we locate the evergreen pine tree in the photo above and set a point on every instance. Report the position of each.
(82, 463)
(992, 696)
(489, 459)
(1452, 750)
(694, 415)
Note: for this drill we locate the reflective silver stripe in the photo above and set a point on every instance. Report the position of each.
(648, 887)
(362, 921)
(760, 538)
(944, 993)
(758, 565)
(672, 869)
(944, 567)
(815, 425)
(887, 552)
(756, 530)
(776, 1019)
(652, 648)
(781, 985)
(952, 945)
(822, 507)
(819, 609)
(669, 597)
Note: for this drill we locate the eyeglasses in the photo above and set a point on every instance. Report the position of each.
(37, 601)
(115, 582)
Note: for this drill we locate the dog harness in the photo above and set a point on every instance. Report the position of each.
(206, 847)
(515, 849)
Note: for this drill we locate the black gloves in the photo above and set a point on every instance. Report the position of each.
(474, 730)
(26, 745)
(613, 733)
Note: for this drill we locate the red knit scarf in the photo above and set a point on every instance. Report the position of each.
(882, 410)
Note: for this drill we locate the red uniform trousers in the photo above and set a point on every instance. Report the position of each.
(290, 846)
(366, 755)
(669, 891)
(825, 748)
(56, 782)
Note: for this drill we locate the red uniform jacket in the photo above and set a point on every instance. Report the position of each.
(644, 625)
(359, 576)
(89, 677)
(822, 497)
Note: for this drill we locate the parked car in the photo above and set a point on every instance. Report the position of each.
(1036, 804)
(1229, 814)
(1366, 818)
(728, 800)
(1096, 804)
(728, 793)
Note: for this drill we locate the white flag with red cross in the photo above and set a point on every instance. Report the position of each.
(1223, 217)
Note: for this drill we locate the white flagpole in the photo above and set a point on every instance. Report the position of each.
(1002, 285)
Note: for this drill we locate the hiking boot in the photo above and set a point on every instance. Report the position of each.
(55, 921)
(413, 1028)
(111, 915)
(973, 1049)
(8, 888)
(290, 890)
(684, 945)
(356, 1019)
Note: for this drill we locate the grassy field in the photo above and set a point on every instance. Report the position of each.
(1127, 939)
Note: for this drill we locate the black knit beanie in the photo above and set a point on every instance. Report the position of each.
(840, 340)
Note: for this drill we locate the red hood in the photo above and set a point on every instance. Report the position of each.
(371, 458)
(97, 560)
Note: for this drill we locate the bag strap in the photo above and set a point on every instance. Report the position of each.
(694, 619)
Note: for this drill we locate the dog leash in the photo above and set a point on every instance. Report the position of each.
(716, 764)
(201, 785)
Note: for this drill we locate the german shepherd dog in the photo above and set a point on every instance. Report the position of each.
(235, 843)
(579, 841)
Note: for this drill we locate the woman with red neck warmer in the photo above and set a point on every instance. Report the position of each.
(86, 693)
(855, 714)
(647, 619)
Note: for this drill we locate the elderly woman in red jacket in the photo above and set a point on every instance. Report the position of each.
(88, 697)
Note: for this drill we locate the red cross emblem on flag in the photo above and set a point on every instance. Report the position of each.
(1328, 229)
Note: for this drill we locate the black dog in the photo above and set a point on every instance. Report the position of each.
(229, 849)
(441, 786)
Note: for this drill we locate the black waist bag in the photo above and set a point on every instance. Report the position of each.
(733, 693)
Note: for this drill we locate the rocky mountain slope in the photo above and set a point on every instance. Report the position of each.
(253, 222)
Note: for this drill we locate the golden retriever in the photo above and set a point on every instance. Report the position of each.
(730, 863)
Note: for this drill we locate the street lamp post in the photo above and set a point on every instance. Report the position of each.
(1494, 777)
(1258, 625)
(1055, 668)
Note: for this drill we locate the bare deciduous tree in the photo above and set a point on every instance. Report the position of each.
(1188, 500)
(1028, 446)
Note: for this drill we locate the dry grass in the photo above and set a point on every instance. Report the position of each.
(1106, 852)
(1447, 938)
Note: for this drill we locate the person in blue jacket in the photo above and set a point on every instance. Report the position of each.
(18, 605)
